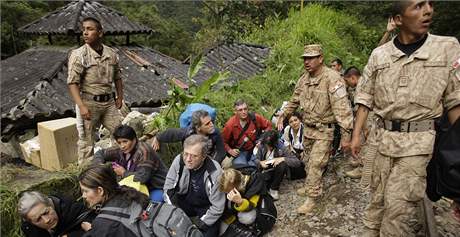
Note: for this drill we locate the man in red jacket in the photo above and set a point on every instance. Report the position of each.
(241, 132)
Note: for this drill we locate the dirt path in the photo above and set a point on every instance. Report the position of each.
(341, 209)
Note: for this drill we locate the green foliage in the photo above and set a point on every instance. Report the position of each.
(179, 98)
(228, 21)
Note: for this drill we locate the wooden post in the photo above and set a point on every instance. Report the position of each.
(127, 39)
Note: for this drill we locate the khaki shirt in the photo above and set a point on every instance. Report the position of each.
(93, 72)
(324, 100)
(397, 87)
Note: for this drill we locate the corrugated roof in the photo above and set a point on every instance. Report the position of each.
(34, 82)
(66, 20)
(240, 59)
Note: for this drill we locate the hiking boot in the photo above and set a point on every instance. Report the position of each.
(275, 194)
(367, 232)
(355, 173)
(307, 206)
(302, 191)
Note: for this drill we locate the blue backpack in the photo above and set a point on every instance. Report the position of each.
(185, 118)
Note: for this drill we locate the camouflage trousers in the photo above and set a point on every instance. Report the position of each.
(104, 113)
(397, 187)
(316, 155)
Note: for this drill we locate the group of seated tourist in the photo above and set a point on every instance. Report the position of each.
(226, 184)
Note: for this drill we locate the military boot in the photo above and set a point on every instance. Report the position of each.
(354, 162)
(367, 232)
(355, 173)
(307, 206)
(302, 191)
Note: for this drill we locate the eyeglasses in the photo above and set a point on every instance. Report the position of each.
(193, 156)
(242, 109)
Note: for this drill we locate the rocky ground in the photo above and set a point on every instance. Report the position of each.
(341, 209)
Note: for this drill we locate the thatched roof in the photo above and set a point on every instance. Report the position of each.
(66, 20)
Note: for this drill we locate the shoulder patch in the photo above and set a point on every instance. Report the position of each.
(341, 92)
(456, 63)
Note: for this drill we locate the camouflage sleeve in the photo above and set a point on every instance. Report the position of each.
(452, 93)
(75, 68)
(340, 104)
(365, 89)
(294, 102)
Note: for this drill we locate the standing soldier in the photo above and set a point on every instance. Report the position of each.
(93, 68)
(407, 83)
(322, 95)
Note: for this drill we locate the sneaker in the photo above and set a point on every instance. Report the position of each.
(302, 191)
(307, 206)
(275, 194)
(355, 173)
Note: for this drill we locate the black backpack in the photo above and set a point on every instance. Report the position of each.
(443, 171)
(158, 219)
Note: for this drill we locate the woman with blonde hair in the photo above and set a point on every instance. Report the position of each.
(250, 211)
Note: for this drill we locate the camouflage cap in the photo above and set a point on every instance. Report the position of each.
(312, 50)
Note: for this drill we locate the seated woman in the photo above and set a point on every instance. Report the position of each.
(274, 160)
(250, 210)
(134, 157)
(126, 212)
(52, 216)
(99, 188)
(293, 140)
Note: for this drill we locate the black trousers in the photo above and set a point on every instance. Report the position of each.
(275, 175)
(194, 211)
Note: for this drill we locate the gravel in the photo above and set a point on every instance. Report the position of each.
(340, 210)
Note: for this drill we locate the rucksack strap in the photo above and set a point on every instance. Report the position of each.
(252, 117)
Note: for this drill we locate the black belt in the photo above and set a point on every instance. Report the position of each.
(329, 125)
(104, 97)
(405, 126)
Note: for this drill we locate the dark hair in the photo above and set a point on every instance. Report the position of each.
(102, 175)
(296, 114)
(398, 7)
(270, 138)
(197, 116)
(239, 102)
(338, 61)
(124, 131)
(352, 71)
(90, 18)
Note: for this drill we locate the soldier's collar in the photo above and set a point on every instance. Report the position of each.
(421, 53)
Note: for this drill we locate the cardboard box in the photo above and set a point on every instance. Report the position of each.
(31, 151)
(58, 143)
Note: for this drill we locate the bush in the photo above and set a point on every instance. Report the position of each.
(341, 36)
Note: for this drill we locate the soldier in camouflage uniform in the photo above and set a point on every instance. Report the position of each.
(322, 95)
(92, 70)
(351, 77)
(407, 82)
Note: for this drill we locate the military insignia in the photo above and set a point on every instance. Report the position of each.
(456, 64)
(341, 92)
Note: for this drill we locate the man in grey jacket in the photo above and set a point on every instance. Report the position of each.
(192, 185)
